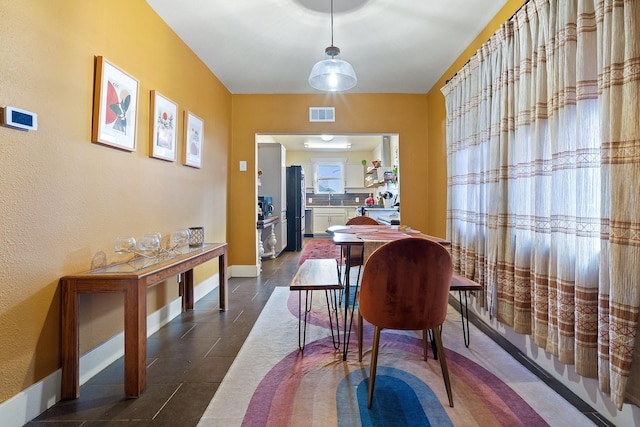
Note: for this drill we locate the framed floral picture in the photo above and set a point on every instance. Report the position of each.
(163, 127)
(115, 106)
(193, 138)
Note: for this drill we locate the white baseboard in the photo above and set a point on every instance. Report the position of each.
(34, 400)
(244, 270)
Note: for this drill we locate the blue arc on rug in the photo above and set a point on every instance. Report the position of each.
(399, 399)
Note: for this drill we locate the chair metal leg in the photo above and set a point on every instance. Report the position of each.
(443, 364)
(374, 364)
(425, 343)
(360, 330)
(340, 272)
(360, 266)
(433, 343)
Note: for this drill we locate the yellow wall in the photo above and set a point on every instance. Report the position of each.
(355, 113)
(437, 171)
(64, 199)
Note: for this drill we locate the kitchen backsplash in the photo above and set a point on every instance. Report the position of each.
(336, 199)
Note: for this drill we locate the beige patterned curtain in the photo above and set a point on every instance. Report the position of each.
(543, 145)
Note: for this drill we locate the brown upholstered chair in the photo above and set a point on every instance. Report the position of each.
(405, 285)
(362, 220)
(356, 256)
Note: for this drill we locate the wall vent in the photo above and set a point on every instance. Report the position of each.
(322, 114)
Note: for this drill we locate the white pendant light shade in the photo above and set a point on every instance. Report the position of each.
(332, 75)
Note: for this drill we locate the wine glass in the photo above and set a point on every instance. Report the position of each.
(124, 245)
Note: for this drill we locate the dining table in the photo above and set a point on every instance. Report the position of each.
(349, 237)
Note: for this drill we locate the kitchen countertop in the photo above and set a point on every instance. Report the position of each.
(395, 208)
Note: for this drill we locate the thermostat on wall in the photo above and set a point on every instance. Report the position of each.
(17, 118)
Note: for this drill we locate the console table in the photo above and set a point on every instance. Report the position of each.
(132, 278)
(262, 224)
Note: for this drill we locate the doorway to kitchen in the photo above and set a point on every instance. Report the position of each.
(368, 166)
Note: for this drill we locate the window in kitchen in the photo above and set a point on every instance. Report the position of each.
(329, 178)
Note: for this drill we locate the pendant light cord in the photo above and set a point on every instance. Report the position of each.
(331, 22)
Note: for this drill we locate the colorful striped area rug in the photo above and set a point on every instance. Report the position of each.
(272, 383)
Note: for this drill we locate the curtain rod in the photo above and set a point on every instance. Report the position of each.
(469, 60)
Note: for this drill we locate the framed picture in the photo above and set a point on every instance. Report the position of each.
(193, 138)
(163, 127)
(115, 106)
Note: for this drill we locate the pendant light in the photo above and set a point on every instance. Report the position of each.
(332, 74)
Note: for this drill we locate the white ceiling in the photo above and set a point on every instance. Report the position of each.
(269, 46)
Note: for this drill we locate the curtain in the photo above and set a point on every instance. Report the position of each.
(543, 155)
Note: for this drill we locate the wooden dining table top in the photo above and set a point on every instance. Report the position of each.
(357, 234)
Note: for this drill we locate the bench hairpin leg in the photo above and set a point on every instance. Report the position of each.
(302, 331)
(464, 312)
(332, 308)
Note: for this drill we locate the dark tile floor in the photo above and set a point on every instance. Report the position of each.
(189, 357)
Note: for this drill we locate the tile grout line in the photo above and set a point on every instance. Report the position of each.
(187, 333)
(214, 344)
(167, 401)
(238, 316)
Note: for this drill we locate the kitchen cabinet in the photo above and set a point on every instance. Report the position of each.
(354, 175)
(350, 213)
(324, 218)
(308, 176)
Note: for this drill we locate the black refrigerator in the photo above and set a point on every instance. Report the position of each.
(295, 207)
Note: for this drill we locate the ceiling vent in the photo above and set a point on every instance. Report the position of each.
(322, 114)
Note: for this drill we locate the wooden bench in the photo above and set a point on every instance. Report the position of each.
(462, 284)
(315, 275)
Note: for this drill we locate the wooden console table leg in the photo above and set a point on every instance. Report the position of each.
(70, 387)
(135, 338)
(187, 296)
(222, 276)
